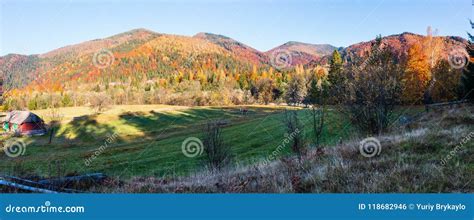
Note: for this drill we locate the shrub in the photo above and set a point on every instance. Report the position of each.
(294, 131)
(374, 91)
(99, 101)
(217, 152)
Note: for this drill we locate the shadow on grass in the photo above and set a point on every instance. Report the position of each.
(189, 120)
(85, 129)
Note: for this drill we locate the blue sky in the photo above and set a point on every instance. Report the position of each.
(32, 27)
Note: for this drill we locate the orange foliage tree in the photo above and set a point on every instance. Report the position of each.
(417, 75)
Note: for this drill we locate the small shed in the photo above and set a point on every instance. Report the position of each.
(24, 122)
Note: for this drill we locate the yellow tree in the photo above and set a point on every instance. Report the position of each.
(202, 77)
(254, 74)
(417, 75)
(433, 47)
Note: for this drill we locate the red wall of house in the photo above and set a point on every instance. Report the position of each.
(31, 126)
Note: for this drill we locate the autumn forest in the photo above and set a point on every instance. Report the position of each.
(143, 67)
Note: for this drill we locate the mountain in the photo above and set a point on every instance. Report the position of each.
(143, 55)
(400, 43)
(20, 70)
(17, 70)
(237, 48)
(137, 51)
(123, 41)
(303, 53)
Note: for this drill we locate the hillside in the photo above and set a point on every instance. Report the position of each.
(303, 53)
(146, 154)
(156, 131)
(122, 41)
(74, 61)
(20, 70)
(137, 51)
(414, 159)
(144, 67)
(237, 48)
(400, 43)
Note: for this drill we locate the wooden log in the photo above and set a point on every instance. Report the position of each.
(24, 187)
(19, 180)
(34, 184)
(447, 103)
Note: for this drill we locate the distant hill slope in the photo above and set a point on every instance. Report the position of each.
(237, 48)
(20, 70)
(303, 53)
(137, 51)
(400, 43)
(126, 40)
(141, 54)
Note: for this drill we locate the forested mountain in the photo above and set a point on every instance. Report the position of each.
(141, 66)
(304, 53)
(400, 44)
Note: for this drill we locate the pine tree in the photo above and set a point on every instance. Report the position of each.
(317, 91)
(446, 82)
(313, 92)
(336, 77)
(296, 91)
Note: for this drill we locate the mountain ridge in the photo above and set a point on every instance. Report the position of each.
(148, 46)
(201, 34)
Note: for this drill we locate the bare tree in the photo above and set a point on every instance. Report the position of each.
(217, 152)
(55, 117)
(294, 131)
(318, 123)
(317, 94)
(99, 101)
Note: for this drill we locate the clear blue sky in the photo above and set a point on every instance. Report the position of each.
(38, 26)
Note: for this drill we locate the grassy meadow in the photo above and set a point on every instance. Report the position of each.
(147, 139)
(143, 151)
(432, 154)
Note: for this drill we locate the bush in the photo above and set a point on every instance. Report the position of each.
(33, 104)
(294, 131)
(217, 153)
(374, 91)
(99, 101)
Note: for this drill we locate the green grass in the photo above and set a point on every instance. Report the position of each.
(149, 142)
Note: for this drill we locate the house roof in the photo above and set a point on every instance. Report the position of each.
(20, 117)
